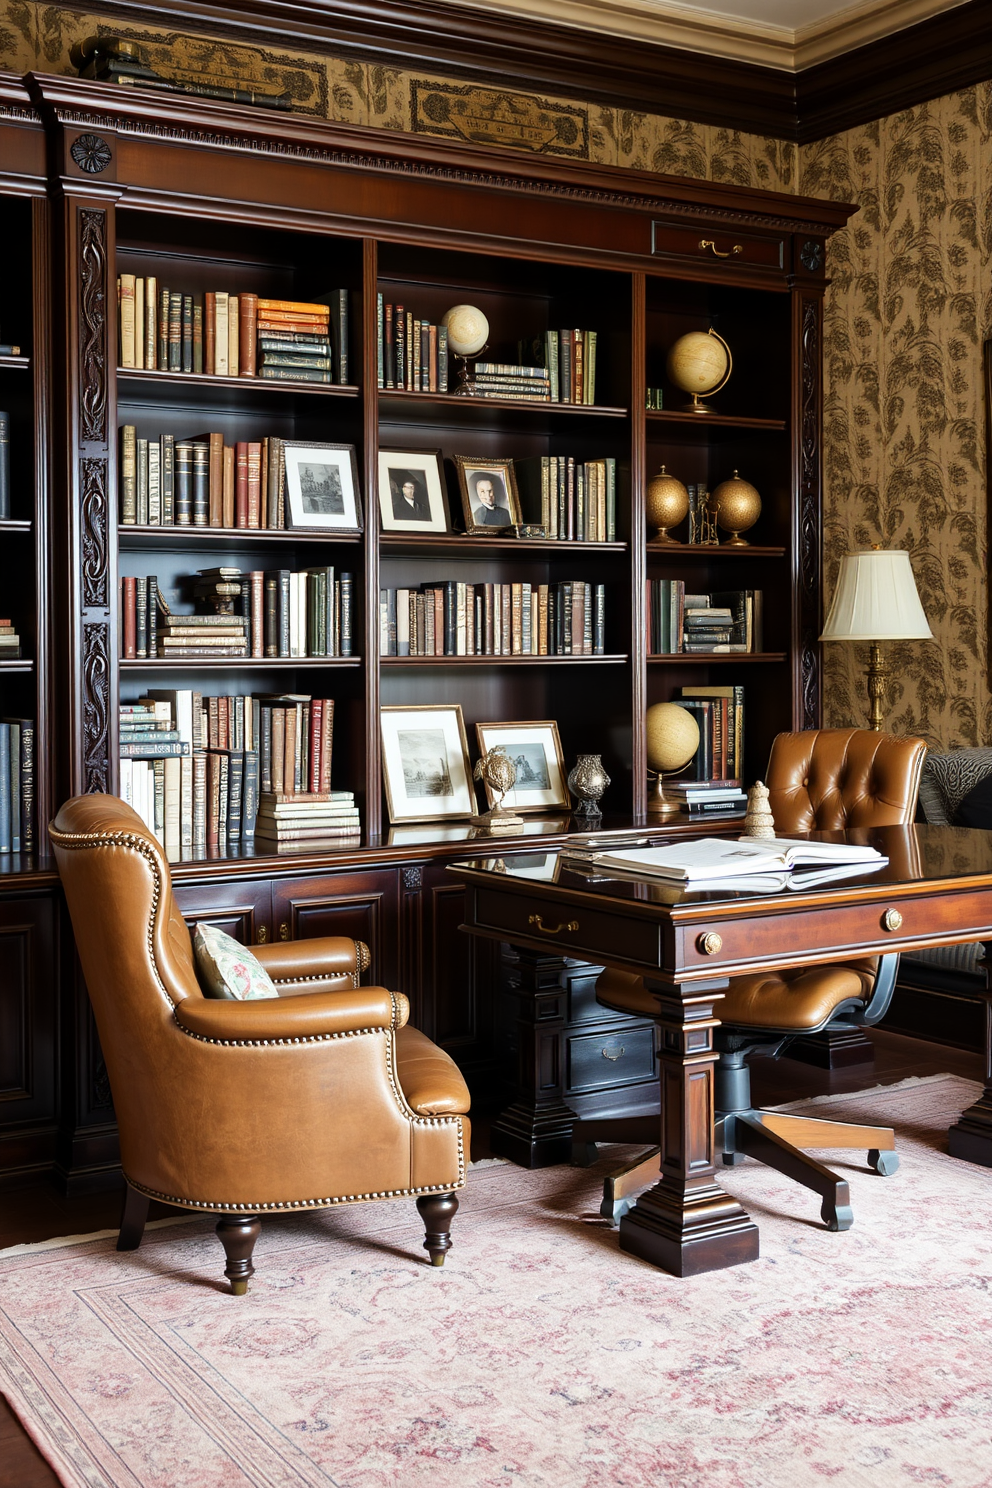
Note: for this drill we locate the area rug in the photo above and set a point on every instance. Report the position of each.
(540, 1356)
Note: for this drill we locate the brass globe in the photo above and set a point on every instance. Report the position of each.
(667, 502)
(737, 506)
(699, 362)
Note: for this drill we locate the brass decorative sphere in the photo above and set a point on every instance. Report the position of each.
(672, 736)
(468, 329)
(667, 504)
(699, 362)
(737, 506)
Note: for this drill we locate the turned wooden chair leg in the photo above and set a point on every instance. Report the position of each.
(238, 1233)
(437, 1211)
(133, 1219)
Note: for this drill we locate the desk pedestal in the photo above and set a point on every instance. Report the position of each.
(687, 1223)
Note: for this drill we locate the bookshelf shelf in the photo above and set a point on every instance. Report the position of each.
(704, 421)
(131, 537)
(235, 663)
(713, 550)
(15, 363)
(717, 658)
(461, 545)
(23, 664)
(396, 405)
(12, 525)
(202, 387)
(495, 661)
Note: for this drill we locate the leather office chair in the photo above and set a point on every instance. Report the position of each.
(822, 780)
(321, 1096)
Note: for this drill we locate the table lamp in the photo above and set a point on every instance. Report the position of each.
(876, 600)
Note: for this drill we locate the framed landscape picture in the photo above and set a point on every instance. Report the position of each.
(535, 750)
(322, 488)
(411, 491)
(489, 494)
(425, 763)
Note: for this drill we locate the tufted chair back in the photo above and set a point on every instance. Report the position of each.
(826, 780)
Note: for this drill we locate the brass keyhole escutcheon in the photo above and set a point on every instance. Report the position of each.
(536, 920)
(892, 920)
(710, 944)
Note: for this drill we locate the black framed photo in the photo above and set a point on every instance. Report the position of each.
(489, 494)
(411, 491)
(322, 488)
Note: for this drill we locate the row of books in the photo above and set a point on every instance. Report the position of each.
(10, 641)
(270, 614)
(412, 353)
(17, 738)
(726, 620)
(719, 712)
(232, 335)
(202, 482)
(571, 498)
(456, 619)
(200, 800)
(507, 380)
(4, 465)
(292, 734)
(569, 358)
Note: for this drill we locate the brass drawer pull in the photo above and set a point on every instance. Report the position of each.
(705, 243)
(614, 1052)
(892, 920)
(710, 944)
(536, 920)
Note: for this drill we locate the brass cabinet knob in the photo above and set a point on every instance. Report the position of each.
(284, 931)
(709, 944)
(261, 935)
(891, 920)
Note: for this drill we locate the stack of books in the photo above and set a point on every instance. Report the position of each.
(294, 341)
(724, 621)
(574, 500)
(17, 737)
(412, 354)
(10, 641)
(232, 335)
(505, 380)
(455, 619)
(201, 482)
(706, 627)
(704, 797)
(300, 821)
(719, 711)
(149, 627)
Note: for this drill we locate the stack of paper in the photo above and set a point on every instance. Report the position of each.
(720, 862)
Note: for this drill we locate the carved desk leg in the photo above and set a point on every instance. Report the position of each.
(536, 1130)
(970, 1137)
(687, 1224)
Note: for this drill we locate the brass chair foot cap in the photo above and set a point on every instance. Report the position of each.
(239, 1288)
(437, 1259)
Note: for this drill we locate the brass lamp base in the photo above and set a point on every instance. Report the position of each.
(878, 676)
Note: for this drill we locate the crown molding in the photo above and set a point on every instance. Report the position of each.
(474, 43)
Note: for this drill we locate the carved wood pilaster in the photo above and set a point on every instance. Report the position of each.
(808, 326)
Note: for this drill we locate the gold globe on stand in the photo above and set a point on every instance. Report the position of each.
(672, 739)
(737, 506)
(667, 504)
(699, 363)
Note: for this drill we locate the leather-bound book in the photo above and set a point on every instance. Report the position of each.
(210, 332)
(247, 334)
(128, 616)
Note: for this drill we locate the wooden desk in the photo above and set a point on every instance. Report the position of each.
(936, 890)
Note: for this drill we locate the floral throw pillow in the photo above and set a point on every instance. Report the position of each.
(227, 968)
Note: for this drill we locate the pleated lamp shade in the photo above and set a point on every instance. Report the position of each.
(876, 600)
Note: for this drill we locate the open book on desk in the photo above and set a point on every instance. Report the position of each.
(709, 859)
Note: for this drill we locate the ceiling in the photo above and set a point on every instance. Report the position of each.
(786, 34)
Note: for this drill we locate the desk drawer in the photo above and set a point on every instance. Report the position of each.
(716, 245)
(601, 1060)
(585, 933)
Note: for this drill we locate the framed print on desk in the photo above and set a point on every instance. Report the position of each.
(322, 488)
(425, 763)
(535, 750)
(411, 491)
(489, 494)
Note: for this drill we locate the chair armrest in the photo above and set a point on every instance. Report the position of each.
(312, 1015)
(324, 964)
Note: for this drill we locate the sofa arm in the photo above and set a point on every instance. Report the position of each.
(288, 1019)
(324, 964)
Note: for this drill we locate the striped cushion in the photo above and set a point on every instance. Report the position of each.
(948, 778)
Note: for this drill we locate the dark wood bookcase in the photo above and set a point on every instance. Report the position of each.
(206, 195)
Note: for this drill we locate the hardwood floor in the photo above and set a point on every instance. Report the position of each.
(37, 1212)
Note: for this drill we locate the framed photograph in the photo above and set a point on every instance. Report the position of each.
(322, 487)
(411, 491)
(425, 763)
(535, 749)
(489, 494)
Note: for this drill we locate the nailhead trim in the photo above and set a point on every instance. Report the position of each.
(327, 1203)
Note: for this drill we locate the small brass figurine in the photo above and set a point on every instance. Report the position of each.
(588, 780)
(758, 821)
(497, 772)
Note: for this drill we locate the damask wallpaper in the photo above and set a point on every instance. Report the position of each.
(908, 309)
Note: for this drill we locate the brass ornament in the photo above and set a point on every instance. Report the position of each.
(736, 505)
(498, 772)
(667, 504)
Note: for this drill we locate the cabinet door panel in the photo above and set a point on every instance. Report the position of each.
(460, 980)
(242, 909)
(27, 1010)
(363, 906)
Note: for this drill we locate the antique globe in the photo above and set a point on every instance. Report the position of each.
(699, 362)
(468, 330)
(666, 504)
(737, 506)
(672, 739)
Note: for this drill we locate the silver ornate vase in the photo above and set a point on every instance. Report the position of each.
(588, 780)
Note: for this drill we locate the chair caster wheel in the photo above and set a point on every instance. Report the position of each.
(613, 1211)
(836, 1216)
(885, 1163)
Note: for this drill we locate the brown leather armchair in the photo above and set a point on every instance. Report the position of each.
(321, 1096)
(821, 780)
